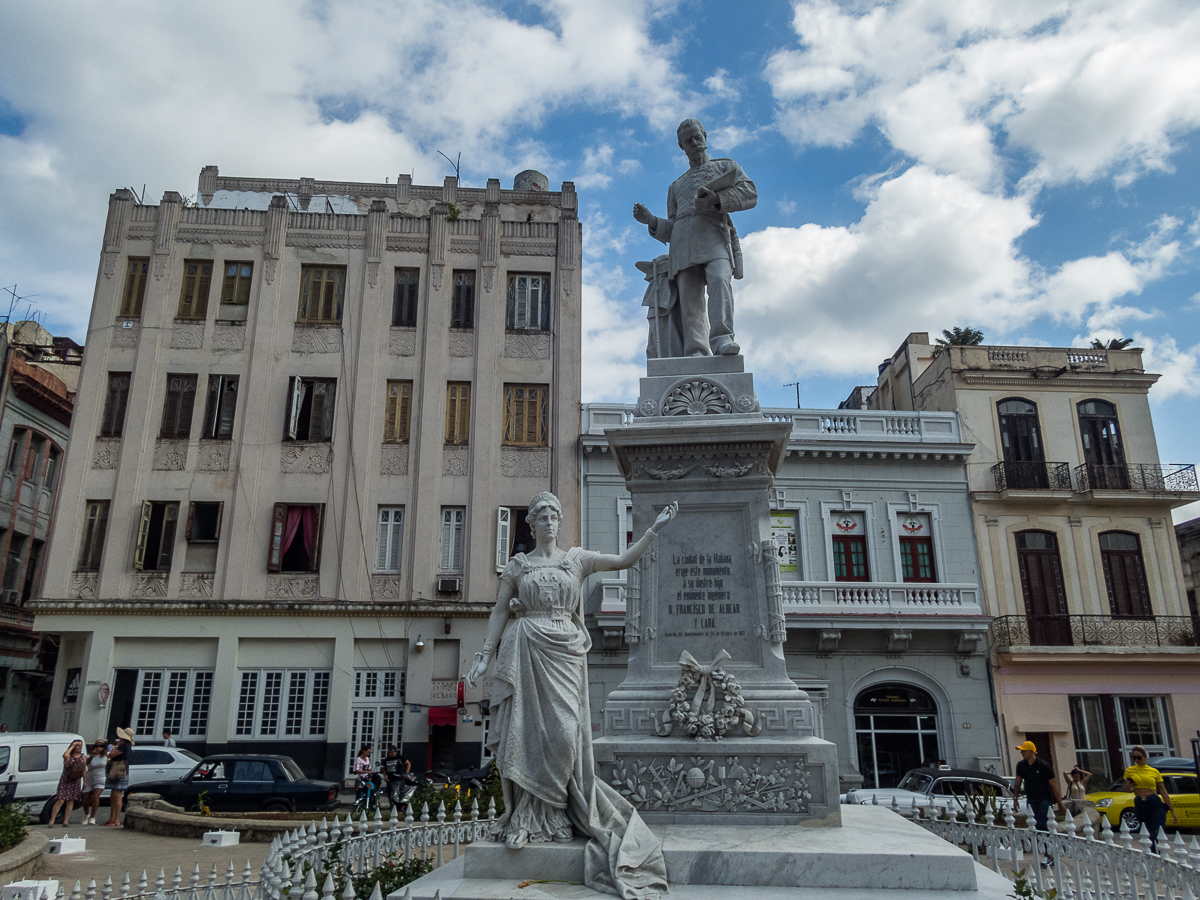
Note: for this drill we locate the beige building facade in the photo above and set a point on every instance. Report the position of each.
(309, 415)
(1093, 649)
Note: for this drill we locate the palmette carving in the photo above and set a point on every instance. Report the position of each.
(293, 587)
(402, 342)
(150, 585)
(170, 456)
(462, 343)
(525, 463)
(125, 333)
(83, 585)
(393, 459)
(105, 453)
(454, 460)
(305, 458)
(697, 397)
(712, 784)
(528, 345)
(213, 456)
(196, 585)
(387, 587)
(317, 339)
(228, 337)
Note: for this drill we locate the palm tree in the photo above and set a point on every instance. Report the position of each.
(1114, 344)
(960, 336)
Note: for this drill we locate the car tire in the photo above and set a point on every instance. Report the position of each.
(277, 806)
(1130, 819)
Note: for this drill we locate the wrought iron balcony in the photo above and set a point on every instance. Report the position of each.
(1137, 477)
(1093, 631)
(1032, 476)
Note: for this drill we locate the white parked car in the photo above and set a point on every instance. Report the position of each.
(942, 788)
(31, 762)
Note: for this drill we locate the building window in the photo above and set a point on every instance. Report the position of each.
(193, 296)
(1124, 574)
(1042, 587)
(1091, 747)
(1021, 444)
(390, 540)
(52, 464)
(462, 304)
(16, 450)
(203, 523)
(282, 703)
(156, 537)
(95, 524)
(896, 730)
(528, 303)
(377, 712)
(513, 534)
(170, 699)
(178, 406)
(404, 299)
(296, 538)
(221, 407)
(1103, 453)
(235, 290)
(916, 548)
(115, 402)
(33, 459)
(454, 520)
(526, 415)
(135, 287)
(458, 412)
(322, 289)
(397, 412)
(1144, 721)
(310, 409)
(850, 547)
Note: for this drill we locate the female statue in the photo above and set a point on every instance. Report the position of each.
(541, 733)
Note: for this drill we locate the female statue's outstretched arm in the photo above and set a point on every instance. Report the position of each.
(496, 623)
(610, 562)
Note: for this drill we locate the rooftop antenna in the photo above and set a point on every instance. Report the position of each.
(457, 165)
(796, 385)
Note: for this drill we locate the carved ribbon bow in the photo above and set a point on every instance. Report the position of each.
(705, 691)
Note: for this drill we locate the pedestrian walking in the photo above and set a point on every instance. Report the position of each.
(93, 781)
(117, 775)
(70, 783)
(168, 741)
(1150, 798)
(1041, 788)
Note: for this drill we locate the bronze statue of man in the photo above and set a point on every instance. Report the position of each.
(703, 243)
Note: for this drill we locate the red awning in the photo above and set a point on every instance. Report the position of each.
(443, 715)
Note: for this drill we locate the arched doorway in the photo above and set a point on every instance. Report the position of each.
(896, 729)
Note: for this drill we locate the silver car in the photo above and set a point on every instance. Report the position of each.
(942, 788)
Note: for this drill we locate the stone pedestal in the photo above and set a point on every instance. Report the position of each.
(709, 584)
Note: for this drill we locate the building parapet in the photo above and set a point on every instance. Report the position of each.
(1092, 631)
(1048, 358)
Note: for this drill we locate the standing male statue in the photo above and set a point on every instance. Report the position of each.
(703, 243)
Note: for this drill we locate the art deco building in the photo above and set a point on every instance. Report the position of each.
(1093, 649)
(312, 414)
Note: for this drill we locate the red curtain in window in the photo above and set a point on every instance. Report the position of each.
(304, 520)
(443, 715)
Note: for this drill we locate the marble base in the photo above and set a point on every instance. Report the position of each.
(736, 781)
(698, 385)
(875, 850)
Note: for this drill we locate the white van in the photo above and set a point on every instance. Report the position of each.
(34, 760)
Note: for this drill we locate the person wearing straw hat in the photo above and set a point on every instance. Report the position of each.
(117, 775)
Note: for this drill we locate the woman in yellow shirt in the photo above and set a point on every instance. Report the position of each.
(1151, 800)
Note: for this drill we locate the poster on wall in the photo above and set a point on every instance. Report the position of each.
(783, 530)
(71, 691)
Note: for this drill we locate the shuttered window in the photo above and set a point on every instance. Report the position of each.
(525, 415)
(390, 539)
(1124, 574)
(454, 520)
(221, 407)
(458, 412)
(528, 303)
(95, 524)
(295, 542)
(156, 537)
(322, 289)
(397, 412)
(462, 306)
(310, 409)
(235, 289)
(404, 297)
(178, 406)
(135, 287)
(193, 296)
(115, 402)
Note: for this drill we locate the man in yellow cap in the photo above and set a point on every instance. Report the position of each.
(1041, 787)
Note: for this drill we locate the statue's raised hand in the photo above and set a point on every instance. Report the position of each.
(670, 511)
(642, 214)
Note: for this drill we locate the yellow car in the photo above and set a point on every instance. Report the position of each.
(1117, 804)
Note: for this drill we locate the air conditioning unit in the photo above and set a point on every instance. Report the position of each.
(10, 597)
(449, 585)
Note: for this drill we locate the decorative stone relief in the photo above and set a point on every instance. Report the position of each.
(648, 407)
(462, 343)
(513, 248)
(394, 459)
(454, 460)
(228, 337)
(187, 336)
(125, 333)
(105, 453)
(716, 783)
(699, 716)
(213, 456)
(317, 339)
(747, 403)
(720, 471)
(410, 244)
(402, 342)
(698, 397)
(170, 456)
(386, 587)
(293, 587)
(300, 457)
(196, 585)
(527, 345)
(150, 585)
(83, 585)
(522, 462)
(662, 474)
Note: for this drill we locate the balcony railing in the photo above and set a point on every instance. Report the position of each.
(877, 597)
(1093, 631)
(1137, 477)
(1032, 476)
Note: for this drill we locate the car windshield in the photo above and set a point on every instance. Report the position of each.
(915, 782)
(294, 771)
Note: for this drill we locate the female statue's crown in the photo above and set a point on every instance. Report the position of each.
(545, 498)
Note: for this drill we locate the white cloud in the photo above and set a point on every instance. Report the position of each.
(614, 323)
(1180, 369)
(785, 206)
(722, 85)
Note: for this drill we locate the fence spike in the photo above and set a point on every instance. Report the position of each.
(78, 892)
(393, 819)
(106, 891)
(378, 823)
(491, 808)
(327, 887)
(895, 804)
(1164, 845)
(441, 813)
(424, 812)
(376, 894)
(348, 893)
(474, 809)
(246, 871)
(178, 879)
(1145, 841)
(160, 882)
(874, 799)
(195, 876)
(310, 886)
(323, 833)
(228, 872)
(1159, 839)
(91, 889)
(335, 833)
(125, 886)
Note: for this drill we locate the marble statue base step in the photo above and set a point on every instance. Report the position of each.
(874, 850)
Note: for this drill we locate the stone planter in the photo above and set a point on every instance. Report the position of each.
(23, 860)
(151, 814)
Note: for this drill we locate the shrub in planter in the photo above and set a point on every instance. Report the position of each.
(14, 817)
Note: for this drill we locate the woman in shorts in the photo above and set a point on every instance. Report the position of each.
(117, 775)
(93, 781)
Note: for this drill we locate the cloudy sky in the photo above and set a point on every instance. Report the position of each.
(1027, 167)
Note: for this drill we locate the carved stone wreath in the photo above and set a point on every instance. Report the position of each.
(697, 398)
(700, 717)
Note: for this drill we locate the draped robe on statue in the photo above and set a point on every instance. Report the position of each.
(541, 732)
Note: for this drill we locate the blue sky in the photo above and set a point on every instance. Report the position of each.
(1028, 167)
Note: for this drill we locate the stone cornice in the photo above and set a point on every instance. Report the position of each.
(372, 608)
(1136, 381)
